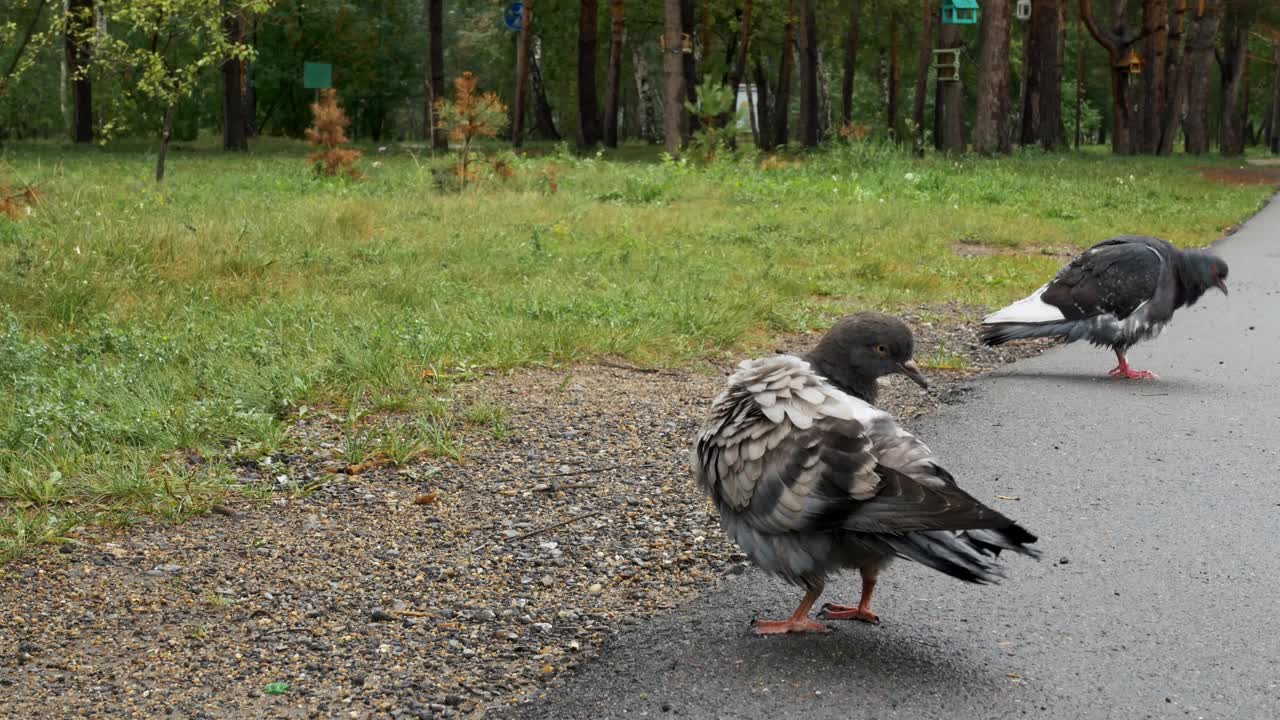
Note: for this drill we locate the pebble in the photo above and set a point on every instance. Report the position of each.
(380, 615)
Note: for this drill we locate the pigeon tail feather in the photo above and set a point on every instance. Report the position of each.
(968, 556)
(1001, 333)
(1014, 538)
(1030, 309)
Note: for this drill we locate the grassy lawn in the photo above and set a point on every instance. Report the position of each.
(141, 324)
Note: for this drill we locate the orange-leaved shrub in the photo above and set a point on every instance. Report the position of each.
(853, 132)
(15, 204)
(468, 116)
(328, 133)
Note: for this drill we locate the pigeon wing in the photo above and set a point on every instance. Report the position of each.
(783, 450)
(787, 452)
(1114, 277)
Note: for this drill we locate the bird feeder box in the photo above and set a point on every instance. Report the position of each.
(960, 12)
(686, 44)
(1023, 10)
(1131, 63)
(947, 64)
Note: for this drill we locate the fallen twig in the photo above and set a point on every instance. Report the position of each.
(541, 530)
(633, 368)
(277, 631)
(556, 487)
(574, 472)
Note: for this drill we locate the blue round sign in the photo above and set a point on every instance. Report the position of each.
(514, 17)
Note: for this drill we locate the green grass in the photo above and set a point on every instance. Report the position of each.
(944, 360)
(136, 320)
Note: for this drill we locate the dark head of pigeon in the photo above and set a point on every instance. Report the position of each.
(1201, 271)
(866, 346)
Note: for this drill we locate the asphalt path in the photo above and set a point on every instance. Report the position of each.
(1157, 504)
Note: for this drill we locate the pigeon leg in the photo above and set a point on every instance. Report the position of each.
(863, 611)
(798, 622)
(1122, 370)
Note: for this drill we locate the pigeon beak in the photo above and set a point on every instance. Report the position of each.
(911, 370)
(1222, 285)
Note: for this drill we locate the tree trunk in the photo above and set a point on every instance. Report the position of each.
(704, 42)
(522, 74)
(1079, 92)
(782, 99)
(1235, 40)
(1042, 104)
(893, 75)
(544, 120)
(739, 70)
(1116, 41)
(1034, 60)
(613, 81)
(1155, 30)
(435, 72)
(249, 83)
(763, 115)
(646, 100)
(951, 96)
(990, 127)
(923, 62)
(79, 56)
(166, 132)
(850, 61)
(808, 51)
(673, 115)
(1273, 141)
(1199, 62)
(629, 122)
(824, 98)
(689, 64)
(63, 63)
(588, 103)
(1176, 77)
(1062, 72)
(233, 125)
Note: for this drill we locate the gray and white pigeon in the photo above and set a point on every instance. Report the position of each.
(1114, 294)
(810, 478)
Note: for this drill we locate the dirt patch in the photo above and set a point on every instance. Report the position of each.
(434, 590)
(1250, 175)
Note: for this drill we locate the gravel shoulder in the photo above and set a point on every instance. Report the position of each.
(439, 589)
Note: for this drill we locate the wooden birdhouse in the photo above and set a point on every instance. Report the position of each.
(1131, 63)
(960, 12)
(1023, 10)
(947, 64)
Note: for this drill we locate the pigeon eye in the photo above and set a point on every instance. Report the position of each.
(881, 349)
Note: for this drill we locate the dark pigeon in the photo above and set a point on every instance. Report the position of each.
(1115, 294)
(811, 479)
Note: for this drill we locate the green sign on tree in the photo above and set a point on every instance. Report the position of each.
(317, 76)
